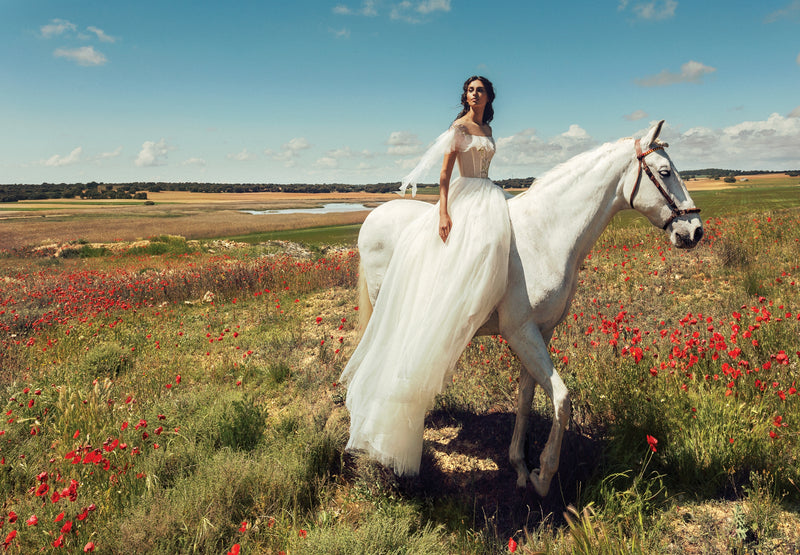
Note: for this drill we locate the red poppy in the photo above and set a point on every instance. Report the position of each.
(652, 442)
(512, 545)
(9, 538)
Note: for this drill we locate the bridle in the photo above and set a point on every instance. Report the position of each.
(676, 212)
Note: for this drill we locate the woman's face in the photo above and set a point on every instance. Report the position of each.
(477, 95)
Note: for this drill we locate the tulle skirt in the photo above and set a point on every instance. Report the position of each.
(433, 298)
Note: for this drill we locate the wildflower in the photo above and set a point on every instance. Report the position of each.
(243, 527)
(59, 541)
(9, 538)
(512, 545)
(32, 521)
(12, 517)
(234, 550)
(302, 533)
(67, 528)
(652, 442)
(89, 547)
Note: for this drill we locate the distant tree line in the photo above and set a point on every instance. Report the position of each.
(93, 190)
(716, 173)
(139, 190)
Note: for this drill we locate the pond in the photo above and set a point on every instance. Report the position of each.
(324, 209)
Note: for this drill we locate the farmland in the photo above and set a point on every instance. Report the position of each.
(177, 396)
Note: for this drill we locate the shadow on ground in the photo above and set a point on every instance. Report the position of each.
(465, 463)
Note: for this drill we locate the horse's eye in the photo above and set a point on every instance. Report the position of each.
(664, 173)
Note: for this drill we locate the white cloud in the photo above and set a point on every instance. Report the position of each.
(691, 72)
(636, 115)
(56, 160)
(297, 144)
(769, 144)
(242, 156)
(326, 162)
(194, 162)
(347, 152)
(101, 34)
(535, 154)
(792, 11)
(656, 11)
(403, 143)
(153, 154)
(341, 33)
(113, 154)
(289, 151)
(84, 56)
(794, 113)
(410, 12)
(367, 9)
(428, 6)
(56, 27)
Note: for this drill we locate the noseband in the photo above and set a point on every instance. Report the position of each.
(676, 212)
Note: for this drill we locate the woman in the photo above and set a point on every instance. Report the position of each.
(445, 277)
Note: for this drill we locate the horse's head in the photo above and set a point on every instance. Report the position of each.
(660, 194)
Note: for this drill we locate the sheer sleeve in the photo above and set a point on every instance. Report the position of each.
(451, 140)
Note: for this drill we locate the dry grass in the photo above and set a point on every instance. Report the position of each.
(191, 215)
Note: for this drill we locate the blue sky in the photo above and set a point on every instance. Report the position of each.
(352, 91)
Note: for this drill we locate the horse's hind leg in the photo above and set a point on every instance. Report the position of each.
(531, 348)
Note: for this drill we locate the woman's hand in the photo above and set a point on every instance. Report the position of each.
(445, 225)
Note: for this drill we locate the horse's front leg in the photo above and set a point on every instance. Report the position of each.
(531, 348)
(527, 387)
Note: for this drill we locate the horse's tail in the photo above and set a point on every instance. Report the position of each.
(364, 304)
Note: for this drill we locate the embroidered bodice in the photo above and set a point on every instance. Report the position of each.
(475, 153)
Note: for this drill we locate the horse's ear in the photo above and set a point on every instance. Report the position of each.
(652, 135)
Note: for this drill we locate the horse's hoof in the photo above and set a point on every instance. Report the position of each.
(540, 486)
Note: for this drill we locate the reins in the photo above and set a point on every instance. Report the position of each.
(676, 212)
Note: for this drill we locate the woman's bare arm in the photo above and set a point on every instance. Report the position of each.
(445, 223)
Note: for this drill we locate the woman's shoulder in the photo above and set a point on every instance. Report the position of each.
(469, 127)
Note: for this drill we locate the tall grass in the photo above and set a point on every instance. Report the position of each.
(188, 402)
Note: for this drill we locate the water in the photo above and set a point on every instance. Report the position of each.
(324, 209)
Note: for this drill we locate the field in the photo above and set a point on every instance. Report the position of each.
(191, 215)
(175, 396)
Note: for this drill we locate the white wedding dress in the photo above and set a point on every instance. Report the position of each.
(433, 298)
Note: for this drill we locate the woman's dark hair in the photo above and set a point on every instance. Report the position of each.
(488, 112)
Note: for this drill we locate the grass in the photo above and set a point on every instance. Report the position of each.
(181, 400)
(326, 235)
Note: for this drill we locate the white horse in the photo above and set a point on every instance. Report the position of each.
(555, 224)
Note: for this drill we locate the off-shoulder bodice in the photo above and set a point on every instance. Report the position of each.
(474, 156)
(475, 153)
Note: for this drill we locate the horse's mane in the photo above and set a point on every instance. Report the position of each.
(573, 168)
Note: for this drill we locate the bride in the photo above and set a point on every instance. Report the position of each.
(445, 278)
